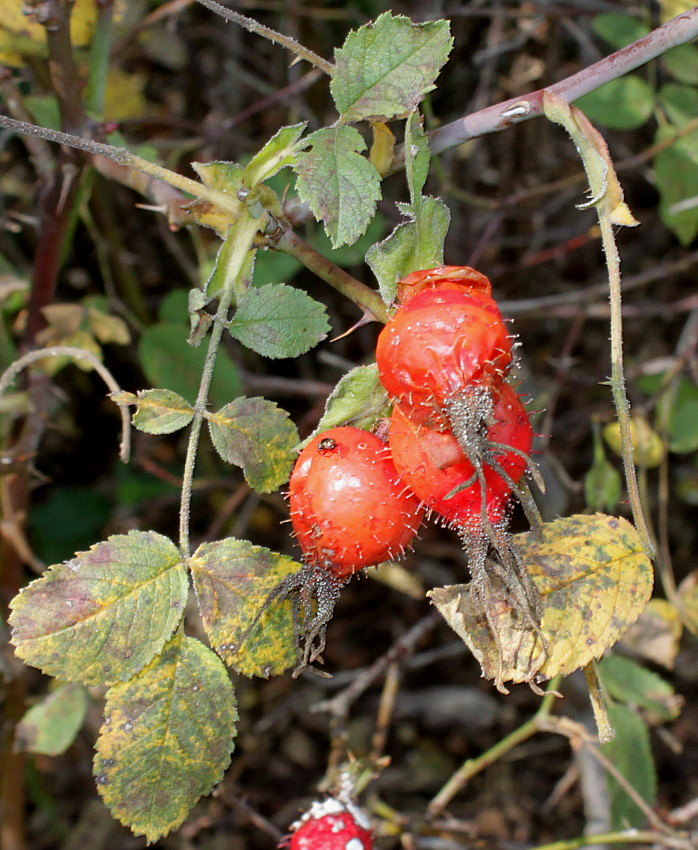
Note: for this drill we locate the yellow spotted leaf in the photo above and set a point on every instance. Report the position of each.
(250, 628)
(166, 738)
(157, 411)
(594, 579)
(101, 617)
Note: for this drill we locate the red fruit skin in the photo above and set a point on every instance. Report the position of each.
(332, 825)
(349, 508)
(471, 280)
(443, 340)
(432, 463)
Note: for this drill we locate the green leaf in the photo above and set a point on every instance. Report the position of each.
(50, 726)
(603, 482)
(157, 411)
(234, 583)
(676, 175)
(619, 30)
(216, 279)
(630, 752)
(629, 682)
(71, 518)
(416, 244)
(167, 361)
(279, 321)
(222, 176)
(679, 102)
(166, 738)
(358, 400)
(386, 67)
(279, 152)
(99, 618)
(417, 156)
(340, 186)
(622, 104)
(682, 62)
(258, 436)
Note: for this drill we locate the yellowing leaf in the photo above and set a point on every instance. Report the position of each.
(21, 35)
(124, 95)
(382, 147)
(604, 189)
(234, 582)
(594, 579)
(157, 411)
(166, 738)
(669, 9)
(99, 618)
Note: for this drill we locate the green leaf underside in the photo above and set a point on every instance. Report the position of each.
(417, 156)
(166, 738)
(279, 321)
(594, 580)
(222, 176)
(631, 753)
(157, 411)
(358, 399)
(50, 726)
(278, 153)
(386, 67)
(258, 436)
(216, 280)
(340, 186)
(102, 616)
(416, 244)
(233, 580)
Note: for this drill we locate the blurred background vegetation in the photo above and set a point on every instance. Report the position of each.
(182, 86)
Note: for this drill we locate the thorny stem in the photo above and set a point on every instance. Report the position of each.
(271, 35)
(679, 30)
(124, 157)
(239, 242)
(473, 766)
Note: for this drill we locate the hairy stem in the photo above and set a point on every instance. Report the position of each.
(239, 242)
(363, 296)
(270, 34)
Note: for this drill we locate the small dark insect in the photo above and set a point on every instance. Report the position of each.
(326, 445)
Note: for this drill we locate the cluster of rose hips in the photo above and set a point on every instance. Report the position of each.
(457, 445)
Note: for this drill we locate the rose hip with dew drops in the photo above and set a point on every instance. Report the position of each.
(349, 508)
(331, 824)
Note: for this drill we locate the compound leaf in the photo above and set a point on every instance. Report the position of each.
(102, 616)
(235, 582)
(340, 185)
(258, 436)
(386, 67)
(594, 579)
(279, 321)
(166, 738)
(157, 411)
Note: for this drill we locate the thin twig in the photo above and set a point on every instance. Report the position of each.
(74, 353)
(271, 35)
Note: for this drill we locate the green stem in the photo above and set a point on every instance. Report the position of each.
(630, 836)
(620, 398)
(100, 47)
(124, 157)
(473, 766)
(363, 296)
(239, 242)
